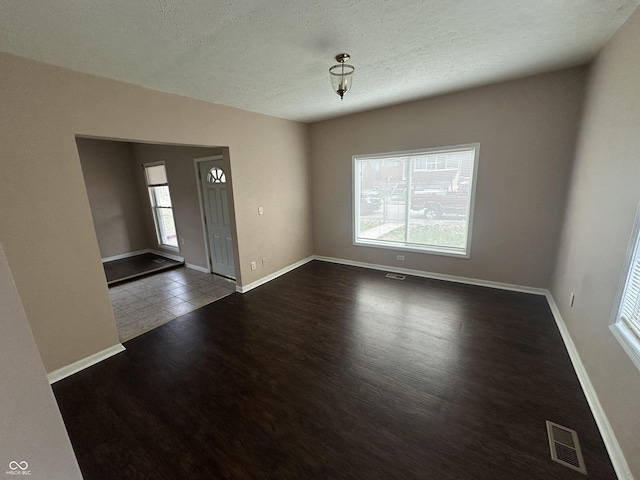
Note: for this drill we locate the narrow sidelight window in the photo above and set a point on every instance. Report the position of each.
(156, 177)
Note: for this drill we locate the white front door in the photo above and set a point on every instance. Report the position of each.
(215, 197)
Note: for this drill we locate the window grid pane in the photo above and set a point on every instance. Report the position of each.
(161, 196)
(630, 307)
(419, 201)
(167, 227)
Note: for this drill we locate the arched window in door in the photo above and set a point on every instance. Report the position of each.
(216, 175)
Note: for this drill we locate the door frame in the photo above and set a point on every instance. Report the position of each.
(232, 216)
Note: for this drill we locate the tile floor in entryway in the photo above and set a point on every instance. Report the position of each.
(144, 304)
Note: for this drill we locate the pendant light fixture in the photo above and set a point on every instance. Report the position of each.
(341, 75)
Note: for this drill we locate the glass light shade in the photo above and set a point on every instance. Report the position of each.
(341, 78)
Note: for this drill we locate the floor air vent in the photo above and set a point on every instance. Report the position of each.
(395, 276)
(565, 447)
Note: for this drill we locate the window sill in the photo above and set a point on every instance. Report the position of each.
(169, 247)
(403, 247)
(628, 341)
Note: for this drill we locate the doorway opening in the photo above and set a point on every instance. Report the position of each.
(126, 182)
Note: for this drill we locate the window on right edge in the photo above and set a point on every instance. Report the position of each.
(626, 326)
(416, 200)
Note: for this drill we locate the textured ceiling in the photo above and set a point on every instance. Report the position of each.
(273, 56)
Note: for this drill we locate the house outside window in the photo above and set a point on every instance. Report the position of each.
(417, 200)
(160, 200)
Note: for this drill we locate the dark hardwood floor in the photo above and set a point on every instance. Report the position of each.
(137, 266)
(336, 372)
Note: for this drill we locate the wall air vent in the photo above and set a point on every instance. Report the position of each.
(395, 276)
(565, 447)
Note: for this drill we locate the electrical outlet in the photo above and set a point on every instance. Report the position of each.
(572, 298)
(253, 265)
(400, 257)
(260, 210)
(181, 241)
(264, 260)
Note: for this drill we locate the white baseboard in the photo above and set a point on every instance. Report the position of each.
(608, 436)
(177, 258)
(125, 255)
(407, 271)
(75, 367)
(272, 276)
(436, 276)
(196, 267)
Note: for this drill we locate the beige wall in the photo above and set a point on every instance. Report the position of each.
(110, 177)
(45, 220)
(605, 191)
(526, 129)
(181, 176)
(31, 425)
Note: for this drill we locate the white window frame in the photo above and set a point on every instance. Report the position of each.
(154, 207)
(628, 335)
(428, 249)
